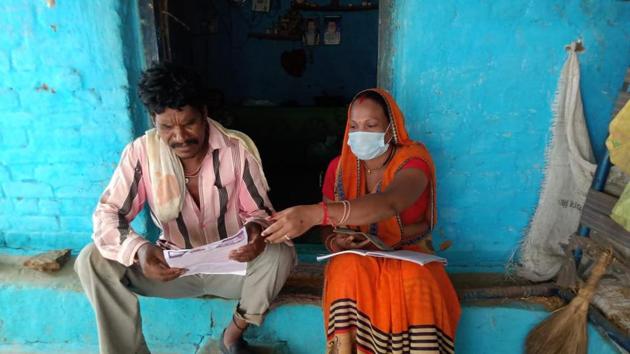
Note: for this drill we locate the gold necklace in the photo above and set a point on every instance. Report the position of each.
(389, 157)
(369, 171)
(187, 178)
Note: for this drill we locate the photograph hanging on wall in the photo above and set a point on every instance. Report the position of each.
(261, 5)
(311, 31)
(332, 33)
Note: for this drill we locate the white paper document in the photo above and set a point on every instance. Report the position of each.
(211, 258)
(403, 255)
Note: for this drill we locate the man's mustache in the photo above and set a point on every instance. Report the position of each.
(186, 142)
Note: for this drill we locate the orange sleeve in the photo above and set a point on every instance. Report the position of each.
(328, 187)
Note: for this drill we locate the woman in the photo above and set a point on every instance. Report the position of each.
(384, 184)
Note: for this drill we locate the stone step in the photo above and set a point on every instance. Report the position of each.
(48, 313)
(212, 347)
(208, 347)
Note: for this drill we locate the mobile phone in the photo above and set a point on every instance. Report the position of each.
(373, 238)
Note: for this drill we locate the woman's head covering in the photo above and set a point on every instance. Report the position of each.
(350, 181)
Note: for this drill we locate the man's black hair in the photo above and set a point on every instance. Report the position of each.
(167, 85)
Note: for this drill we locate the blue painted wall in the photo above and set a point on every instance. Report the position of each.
(66, 104)
(476, 80)
(250, 69)
(478, 91)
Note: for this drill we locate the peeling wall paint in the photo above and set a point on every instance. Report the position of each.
(67, 109)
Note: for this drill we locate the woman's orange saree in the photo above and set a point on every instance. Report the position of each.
(374, 305)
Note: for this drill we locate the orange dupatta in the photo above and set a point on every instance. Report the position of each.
(350, 182)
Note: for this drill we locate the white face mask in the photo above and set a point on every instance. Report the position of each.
(367, 145)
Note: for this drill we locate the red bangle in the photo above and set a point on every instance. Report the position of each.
(325, 219)
(328, 243)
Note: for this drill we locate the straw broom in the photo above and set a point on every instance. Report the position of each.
(564, 331)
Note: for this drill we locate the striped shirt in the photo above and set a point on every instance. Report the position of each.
(232, 192)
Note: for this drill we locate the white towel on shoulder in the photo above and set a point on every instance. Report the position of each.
(167, 178)
(168, 183)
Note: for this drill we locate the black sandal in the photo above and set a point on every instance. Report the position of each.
(240, 347)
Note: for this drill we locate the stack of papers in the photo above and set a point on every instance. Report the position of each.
(212, 258)
(403, 255)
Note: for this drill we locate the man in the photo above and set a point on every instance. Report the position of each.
(332, 36)
(311, 35)
(202, 183)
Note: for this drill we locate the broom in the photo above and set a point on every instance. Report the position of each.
(564, 331)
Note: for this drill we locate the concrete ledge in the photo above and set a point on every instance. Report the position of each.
(40, 312)
(48, 313)
(304, 286)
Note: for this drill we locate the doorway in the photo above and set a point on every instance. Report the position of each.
(281, 71)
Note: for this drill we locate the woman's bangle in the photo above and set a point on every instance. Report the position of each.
(328, 242)
(325, 218)
(343, 215)
(333, 244)
(346, 212)
(332, 221)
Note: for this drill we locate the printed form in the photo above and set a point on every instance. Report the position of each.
(211, 258)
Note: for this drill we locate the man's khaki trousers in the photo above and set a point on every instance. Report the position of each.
(112, 288)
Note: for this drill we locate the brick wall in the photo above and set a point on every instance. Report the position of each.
(64, 116)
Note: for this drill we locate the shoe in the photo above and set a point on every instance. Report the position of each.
(240, 347)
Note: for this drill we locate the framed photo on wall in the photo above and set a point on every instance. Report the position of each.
(332, 30)
(261, 5)
(311, 35)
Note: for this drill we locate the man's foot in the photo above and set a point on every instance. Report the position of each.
(238, 347)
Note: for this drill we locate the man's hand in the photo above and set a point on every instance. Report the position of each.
(153, 264)
(255, 246)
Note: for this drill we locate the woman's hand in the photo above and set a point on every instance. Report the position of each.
(292, 222)
(349, 242)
